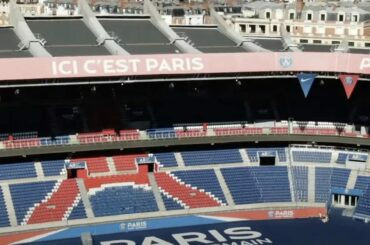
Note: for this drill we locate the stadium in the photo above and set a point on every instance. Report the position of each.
(123, 129)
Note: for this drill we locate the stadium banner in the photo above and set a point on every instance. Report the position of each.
(145, 225)
(349, 83)
(306, 80)
(172, 64)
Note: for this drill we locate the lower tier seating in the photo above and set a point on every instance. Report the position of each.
(122, 199)
(4, 219)
(171, 203)
(202, 179)
(258, 184)
(187, 194)
(48, 201)
(300, 182)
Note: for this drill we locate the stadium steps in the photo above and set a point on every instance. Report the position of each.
(352, 179)
(311, 184)
(244, 155)
(225, 188)
(156, 192)
(190, 196)
(291, 185)
(334, 157)
(39, 170)
(85, 198)
(179, 160)
(56, 207)
(9, 204)
(111, 165)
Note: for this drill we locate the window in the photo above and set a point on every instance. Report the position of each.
(322, 17)
(317, 41)
(291, 16)
(351, 44)
(268, 15)
(367, 45)
(263, 28)
(341, 18)
(355, 18)
(253, 28)
(303, 41)
(242, 28)
(274, 28)
(288, 28)
(309, 16)
(335, 42)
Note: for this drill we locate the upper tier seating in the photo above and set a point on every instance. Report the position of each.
(166, 159)
(189, 195)
(258, 184)
(300, 182)
(53, 167)
(255, 153)
(311, 156)
(17, 171)
(125, 199)
(193, 158)
(59, 140)
(202, 179)
(4, 219)
(161, 133)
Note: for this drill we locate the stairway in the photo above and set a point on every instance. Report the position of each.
(55, 207)
(352, 179)
(190, 196)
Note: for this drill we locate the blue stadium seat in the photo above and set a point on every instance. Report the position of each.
(78, 211)
(170, 203)
(322, 184)
(362, 182)
(17, 171)
(258, 184)
(202, 179)
(53, 167)
(26, 195)
(166, 159)
(4, 218)
(300, 181)
(311, 156)
(194, 158)
(122, 200)
(161, 133)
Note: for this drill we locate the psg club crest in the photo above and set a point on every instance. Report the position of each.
(348, 80)
(286, 61)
